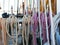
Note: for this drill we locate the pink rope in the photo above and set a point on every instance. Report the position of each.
(35, 24)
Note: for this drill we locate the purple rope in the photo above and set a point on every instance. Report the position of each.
(43, 23)
(35, 24)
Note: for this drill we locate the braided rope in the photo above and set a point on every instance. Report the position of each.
(12, 20)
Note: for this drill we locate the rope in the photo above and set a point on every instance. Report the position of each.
(12, 20)
(39, 20)
(52, 26)
(23, 31)
(46, 22)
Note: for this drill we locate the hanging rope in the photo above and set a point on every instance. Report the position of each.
(52, 26)
(39, 20)
(25, 29)
(12, 20)
(46, 22)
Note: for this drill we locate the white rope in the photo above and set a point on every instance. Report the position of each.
(23, 29)
(11, 21)
(28, 21)
(26, 31)
(52, 26)
(39, 20)
(16, 34)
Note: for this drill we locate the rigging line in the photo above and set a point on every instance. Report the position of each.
(52, 26)
(46, 21)
(39, 20)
